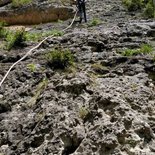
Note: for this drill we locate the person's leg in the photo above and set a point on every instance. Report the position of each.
(84, 11)
(80, 11)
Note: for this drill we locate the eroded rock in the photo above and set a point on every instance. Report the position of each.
(35, 13)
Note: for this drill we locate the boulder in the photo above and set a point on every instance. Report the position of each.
(35, 13)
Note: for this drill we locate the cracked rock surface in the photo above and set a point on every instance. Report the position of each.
(103, 105)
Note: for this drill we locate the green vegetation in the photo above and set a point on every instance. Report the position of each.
(146, 7)
(149, 10)
(11, 38)
(40, 88)
(133, 5)
(99, 68)
(37, 36)
(59, 59)
(14, 39)
(83, 112)
(60, 21)
(131, 142)
(130, 52)
(33, 36)
(2, 24)
(3, 32)
(94, 22)
(18, 3)
(32, 67)
(144, 49)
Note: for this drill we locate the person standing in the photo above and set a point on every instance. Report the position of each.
(81, 10)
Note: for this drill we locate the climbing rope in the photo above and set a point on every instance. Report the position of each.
(32, 49)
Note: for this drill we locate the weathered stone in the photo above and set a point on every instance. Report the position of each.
(102, 105)
(35, 13)
(4, 2)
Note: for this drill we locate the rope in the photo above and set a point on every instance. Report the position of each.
(31, 50)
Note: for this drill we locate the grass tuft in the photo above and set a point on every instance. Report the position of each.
(144, 49)
(15, 38)
(38, 36)
(18, 3)
(149, 10)
(32, 67)
(133, 5)
(147, 7)
(59, 59)
(83, 112)
(94, 22)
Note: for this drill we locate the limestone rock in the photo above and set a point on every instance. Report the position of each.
(35, 13)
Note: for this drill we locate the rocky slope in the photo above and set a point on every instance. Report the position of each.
(104, 105)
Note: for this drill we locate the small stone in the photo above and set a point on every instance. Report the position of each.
(1, 96)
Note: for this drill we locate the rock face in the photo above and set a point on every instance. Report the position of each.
(104, 105)
(4, 2)
(35, 13)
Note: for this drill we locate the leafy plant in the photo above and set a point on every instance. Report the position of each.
(32, 67)
(18, 3)
(3, 32)
(130, 52)
(149, 10)
(3, 23)
(144, 49)
(94, 22)
(55, 32)
(40, 88)
(33, 36)
(14, 39)
(133, 5)
(99, 68)
(83, 112)
(37, 36)
(145, 6)
(60, 21)
(59, 59)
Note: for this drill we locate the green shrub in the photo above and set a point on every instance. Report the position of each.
(130, 52)
(133, 5)
(3, 32)
(149, 10)
(144, 49)
(94, 22)
(32, 67)
(59, 59)
(39, 90)
(37, 36)
(31, 36)
(55, 33)
(14, 39)
(146, 6)
(83, 112)
(3, 23)
(18, 3)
